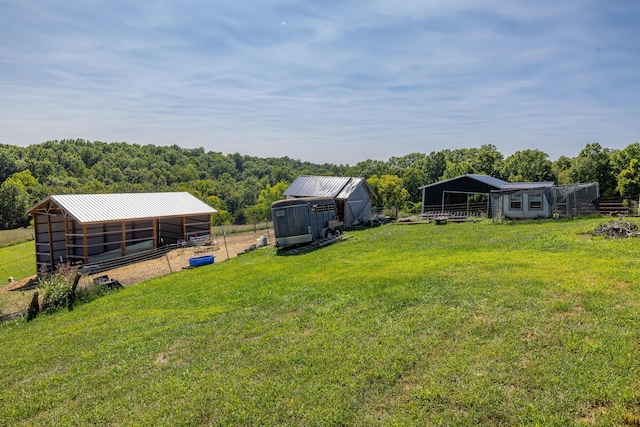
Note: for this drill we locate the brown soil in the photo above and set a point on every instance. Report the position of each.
(231, 244)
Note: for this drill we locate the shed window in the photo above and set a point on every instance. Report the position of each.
(515, 202)
(535, 201)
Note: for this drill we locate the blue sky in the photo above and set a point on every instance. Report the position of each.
(330, 81)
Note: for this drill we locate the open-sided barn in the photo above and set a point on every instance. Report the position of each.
(86, 228)
(455, 192)
(473, 194)
(353, 196)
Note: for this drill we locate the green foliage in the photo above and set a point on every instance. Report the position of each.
(74, 166)
(55, 288)
(262, 210)
(593, 164)
(389, 190)
(629, 179)
(527, 166)
(15, 198)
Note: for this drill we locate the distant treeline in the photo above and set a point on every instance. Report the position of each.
(242, 187)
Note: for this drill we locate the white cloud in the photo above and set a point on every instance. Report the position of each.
(338, 83)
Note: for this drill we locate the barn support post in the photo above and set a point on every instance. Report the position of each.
(66, 236)
(123, 237)
(85, 244)
(50, 234)
(184, 228)
(154, 221)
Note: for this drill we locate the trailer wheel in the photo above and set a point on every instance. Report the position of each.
(328, 234)
(337, 232)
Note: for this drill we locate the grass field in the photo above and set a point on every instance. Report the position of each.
(12, 237)
(17, 261)
(463, 324)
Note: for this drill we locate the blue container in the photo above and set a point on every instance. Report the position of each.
(201, 260)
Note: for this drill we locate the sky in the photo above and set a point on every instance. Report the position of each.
(323, 81)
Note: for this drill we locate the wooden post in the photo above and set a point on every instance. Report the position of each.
(154, 222)
(66, 236)
(50, 232)
(123, 238)
(85, 244)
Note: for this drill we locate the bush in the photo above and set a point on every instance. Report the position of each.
(56, 288)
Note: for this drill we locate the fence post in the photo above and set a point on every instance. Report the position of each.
(166, 254)
(266, 223)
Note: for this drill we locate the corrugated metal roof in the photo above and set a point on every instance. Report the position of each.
(322, 186)
(486, 179)
(91, 208)
(526, 185)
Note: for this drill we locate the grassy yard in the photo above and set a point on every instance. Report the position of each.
(17, 261)
(461, 324)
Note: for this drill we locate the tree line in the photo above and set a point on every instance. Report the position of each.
(242, 187)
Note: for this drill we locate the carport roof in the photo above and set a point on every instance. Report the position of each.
(97, 208)
(485, 179)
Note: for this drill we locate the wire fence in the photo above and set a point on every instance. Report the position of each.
(135, 268)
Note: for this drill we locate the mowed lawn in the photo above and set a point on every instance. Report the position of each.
(461, 324)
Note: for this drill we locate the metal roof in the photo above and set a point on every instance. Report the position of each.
(486, 179)
(526, 185)
(92, 208)
(324, 186)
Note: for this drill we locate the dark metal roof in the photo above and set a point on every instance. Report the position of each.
(338, 187)
(485, 179)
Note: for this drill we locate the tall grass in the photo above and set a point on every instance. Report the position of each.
(12, 237)
(462, 324)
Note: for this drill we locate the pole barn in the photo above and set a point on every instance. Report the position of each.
(85, 228)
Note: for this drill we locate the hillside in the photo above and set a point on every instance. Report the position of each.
(521, 324)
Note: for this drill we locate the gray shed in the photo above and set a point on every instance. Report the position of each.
(353, 196)
(85, 228)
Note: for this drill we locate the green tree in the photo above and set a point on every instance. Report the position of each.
(488, 161)
(593, 164)
(262, 209)
(15, 199)
(629, 179)
(223, 216)
(389, 190)
(457, 168)
(527, 166)
(560, 169)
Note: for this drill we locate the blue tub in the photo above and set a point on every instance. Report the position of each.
(201, 260)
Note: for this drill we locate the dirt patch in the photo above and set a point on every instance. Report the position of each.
(222, 248)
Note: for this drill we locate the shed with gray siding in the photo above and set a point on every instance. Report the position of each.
(352, 195)
(85, 228)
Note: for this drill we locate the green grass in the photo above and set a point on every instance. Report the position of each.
(12, 237)
(462, 324)
(17, 261)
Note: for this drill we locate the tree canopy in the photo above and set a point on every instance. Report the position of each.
(241, 187)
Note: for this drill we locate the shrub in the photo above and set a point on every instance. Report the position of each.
(56, 288)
